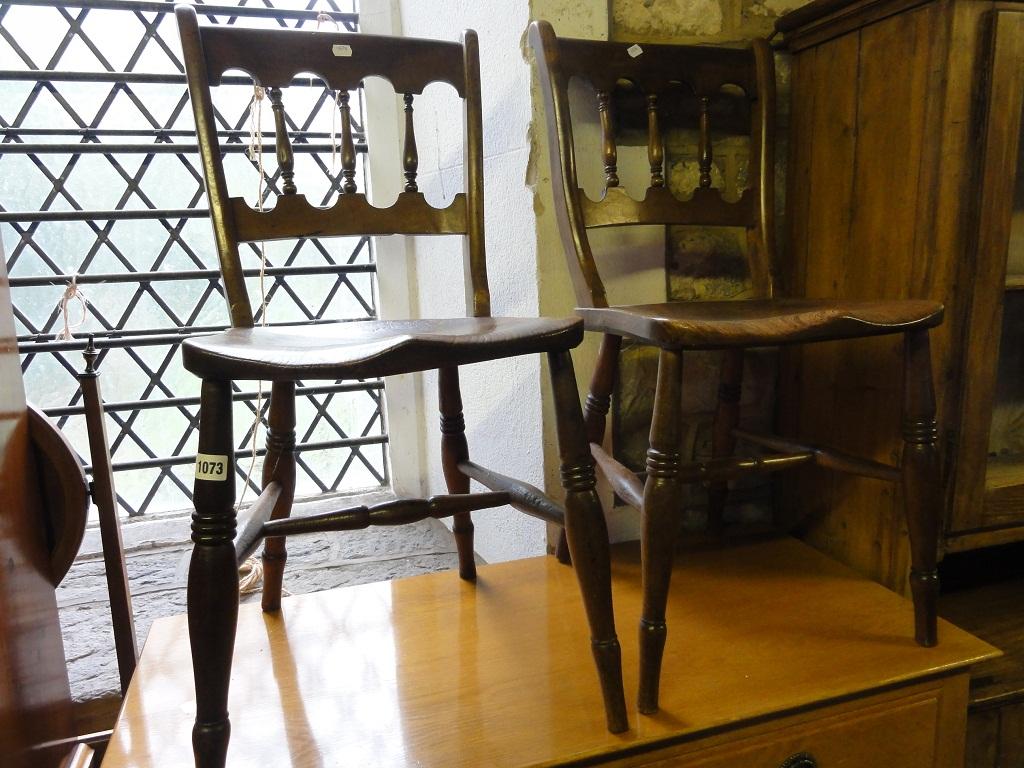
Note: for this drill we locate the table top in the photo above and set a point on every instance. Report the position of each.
(432, 671)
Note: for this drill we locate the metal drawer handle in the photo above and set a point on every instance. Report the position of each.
(800, 760)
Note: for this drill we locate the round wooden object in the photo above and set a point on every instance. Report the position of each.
(64, 489)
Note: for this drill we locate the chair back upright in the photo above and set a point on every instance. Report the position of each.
(650, 88)
(342, 60)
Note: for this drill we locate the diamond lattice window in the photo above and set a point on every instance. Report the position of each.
(100, 182)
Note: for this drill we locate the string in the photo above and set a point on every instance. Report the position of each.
(334, 133)
(255, 153)
(71, 293)
(326, 18)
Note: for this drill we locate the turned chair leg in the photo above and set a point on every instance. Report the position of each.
(454, 450)
(279, 465)
(587, 535)
(213, 576)
(723, 443)
(659, 523)
(598, 403)
(922, 494)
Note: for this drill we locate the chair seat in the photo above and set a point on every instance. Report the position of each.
(768, 322)
(371, 348)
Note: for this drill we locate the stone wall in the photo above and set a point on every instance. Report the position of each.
(692, 21)
(702, 263)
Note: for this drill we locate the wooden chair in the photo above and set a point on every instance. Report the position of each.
(358, 350)
(694, 77)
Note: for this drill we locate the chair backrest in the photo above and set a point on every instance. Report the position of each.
(643, 86)
(273, 58)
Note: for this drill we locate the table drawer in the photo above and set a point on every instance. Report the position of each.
(903, 732)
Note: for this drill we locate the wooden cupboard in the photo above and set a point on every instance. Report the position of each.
(906, 180)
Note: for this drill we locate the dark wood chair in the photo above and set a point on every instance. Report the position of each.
(694, 85)
(358, 350)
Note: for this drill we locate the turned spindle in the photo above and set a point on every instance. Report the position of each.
(348, 148)
(655, 146)
(285, 156)
(705, 144)
(608, 151)
(410, 159)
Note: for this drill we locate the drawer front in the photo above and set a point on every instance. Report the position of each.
(901, 734)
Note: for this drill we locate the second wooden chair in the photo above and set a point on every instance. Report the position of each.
(644, 85)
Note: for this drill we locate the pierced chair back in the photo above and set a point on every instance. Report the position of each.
(651, 87)
(342, 60)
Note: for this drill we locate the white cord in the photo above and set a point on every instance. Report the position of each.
(255, 153)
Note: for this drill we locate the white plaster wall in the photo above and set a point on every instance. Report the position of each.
(509, 414)
(502, 399)
(630, 259)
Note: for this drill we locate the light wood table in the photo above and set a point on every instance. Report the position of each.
(774, 650)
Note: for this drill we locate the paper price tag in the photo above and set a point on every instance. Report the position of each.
(211, 466)
(634, 50)
(344, 51)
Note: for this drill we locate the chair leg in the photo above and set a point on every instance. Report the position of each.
(922, 496)
(279, 465)
(587, 535)
(454, 449)
(723, 443)
(213, 576)
(602, 383)
(659, 523)
(598, 403)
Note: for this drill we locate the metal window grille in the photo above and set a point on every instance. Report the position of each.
(100, 181)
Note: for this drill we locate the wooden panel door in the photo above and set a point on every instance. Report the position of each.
(868, 128)
(988, 492)
(34, 695)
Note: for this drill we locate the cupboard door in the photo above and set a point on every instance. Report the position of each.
(989, 487)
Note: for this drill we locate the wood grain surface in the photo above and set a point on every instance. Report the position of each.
(431, 671)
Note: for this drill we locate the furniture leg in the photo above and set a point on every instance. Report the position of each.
(659, 523)
(213, 576)
(599, 400)
(454, 449)
(279, 465)
(723, 443)
(602, 383)
(922, 497)
(587, 535)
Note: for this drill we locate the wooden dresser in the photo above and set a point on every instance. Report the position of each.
(906, 180)
(776, 653)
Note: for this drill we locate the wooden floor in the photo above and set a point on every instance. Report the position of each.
(995, 728)
(431, 671)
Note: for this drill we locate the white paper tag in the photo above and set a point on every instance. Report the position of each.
(341, 50)
(634, 50)
(211, 466)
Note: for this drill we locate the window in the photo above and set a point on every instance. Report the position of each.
(100, 184)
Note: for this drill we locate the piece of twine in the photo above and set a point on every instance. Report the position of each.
(251, 577)
(255, 153)
(72, 293)
(326, 18)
